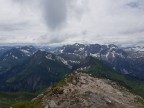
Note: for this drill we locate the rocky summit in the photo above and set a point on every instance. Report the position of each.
(80, 90)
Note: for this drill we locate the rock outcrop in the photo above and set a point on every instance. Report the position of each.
(80, 90)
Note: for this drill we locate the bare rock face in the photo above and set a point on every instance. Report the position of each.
(80, 90)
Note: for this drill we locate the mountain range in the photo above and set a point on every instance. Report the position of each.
(35, 68)
(25, 62)
(129, 60)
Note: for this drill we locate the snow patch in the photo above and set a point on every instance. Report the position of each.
(26, 52)
(61, 51)
(14, 57)
(49, 57)
(97, 55)
(125, 71)
(81, 49)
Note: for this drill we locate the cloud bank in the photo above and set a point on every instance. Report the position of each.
(70, 21)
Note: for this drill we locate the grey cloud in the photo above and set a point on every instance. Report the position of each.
(137, 4)
(50, 40)
(56, 40)
(22, 1)
(133, 31)
(55, 12)
(133, 4)
(85, 32)
(7, 28)
(3, 38)
(13, 27)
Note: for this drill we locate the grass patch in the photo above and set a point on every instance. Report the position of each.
(27, 105)
(9, 98)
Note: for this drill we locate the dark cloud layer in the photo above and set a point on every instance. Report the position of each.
(55, 12)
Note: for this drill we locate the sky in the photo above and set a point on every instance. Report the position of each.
(56, 22)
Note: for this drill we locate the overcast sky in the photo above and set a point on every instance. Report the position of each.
(71, 21)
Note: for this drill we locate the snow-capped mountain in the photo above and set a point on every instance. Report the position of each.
(77, 52)
(28, 50)
(129, 60)
(105, 52)
(19, 52)
(135, 52)
(125, 60)
(15, 55)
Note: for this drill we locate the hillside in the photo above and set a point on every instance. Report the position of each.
(98, 68)
(34, 74)
(8, 98)
(79, 90)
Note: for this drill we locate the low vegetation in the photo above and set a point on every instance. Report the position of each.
(8, 98)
